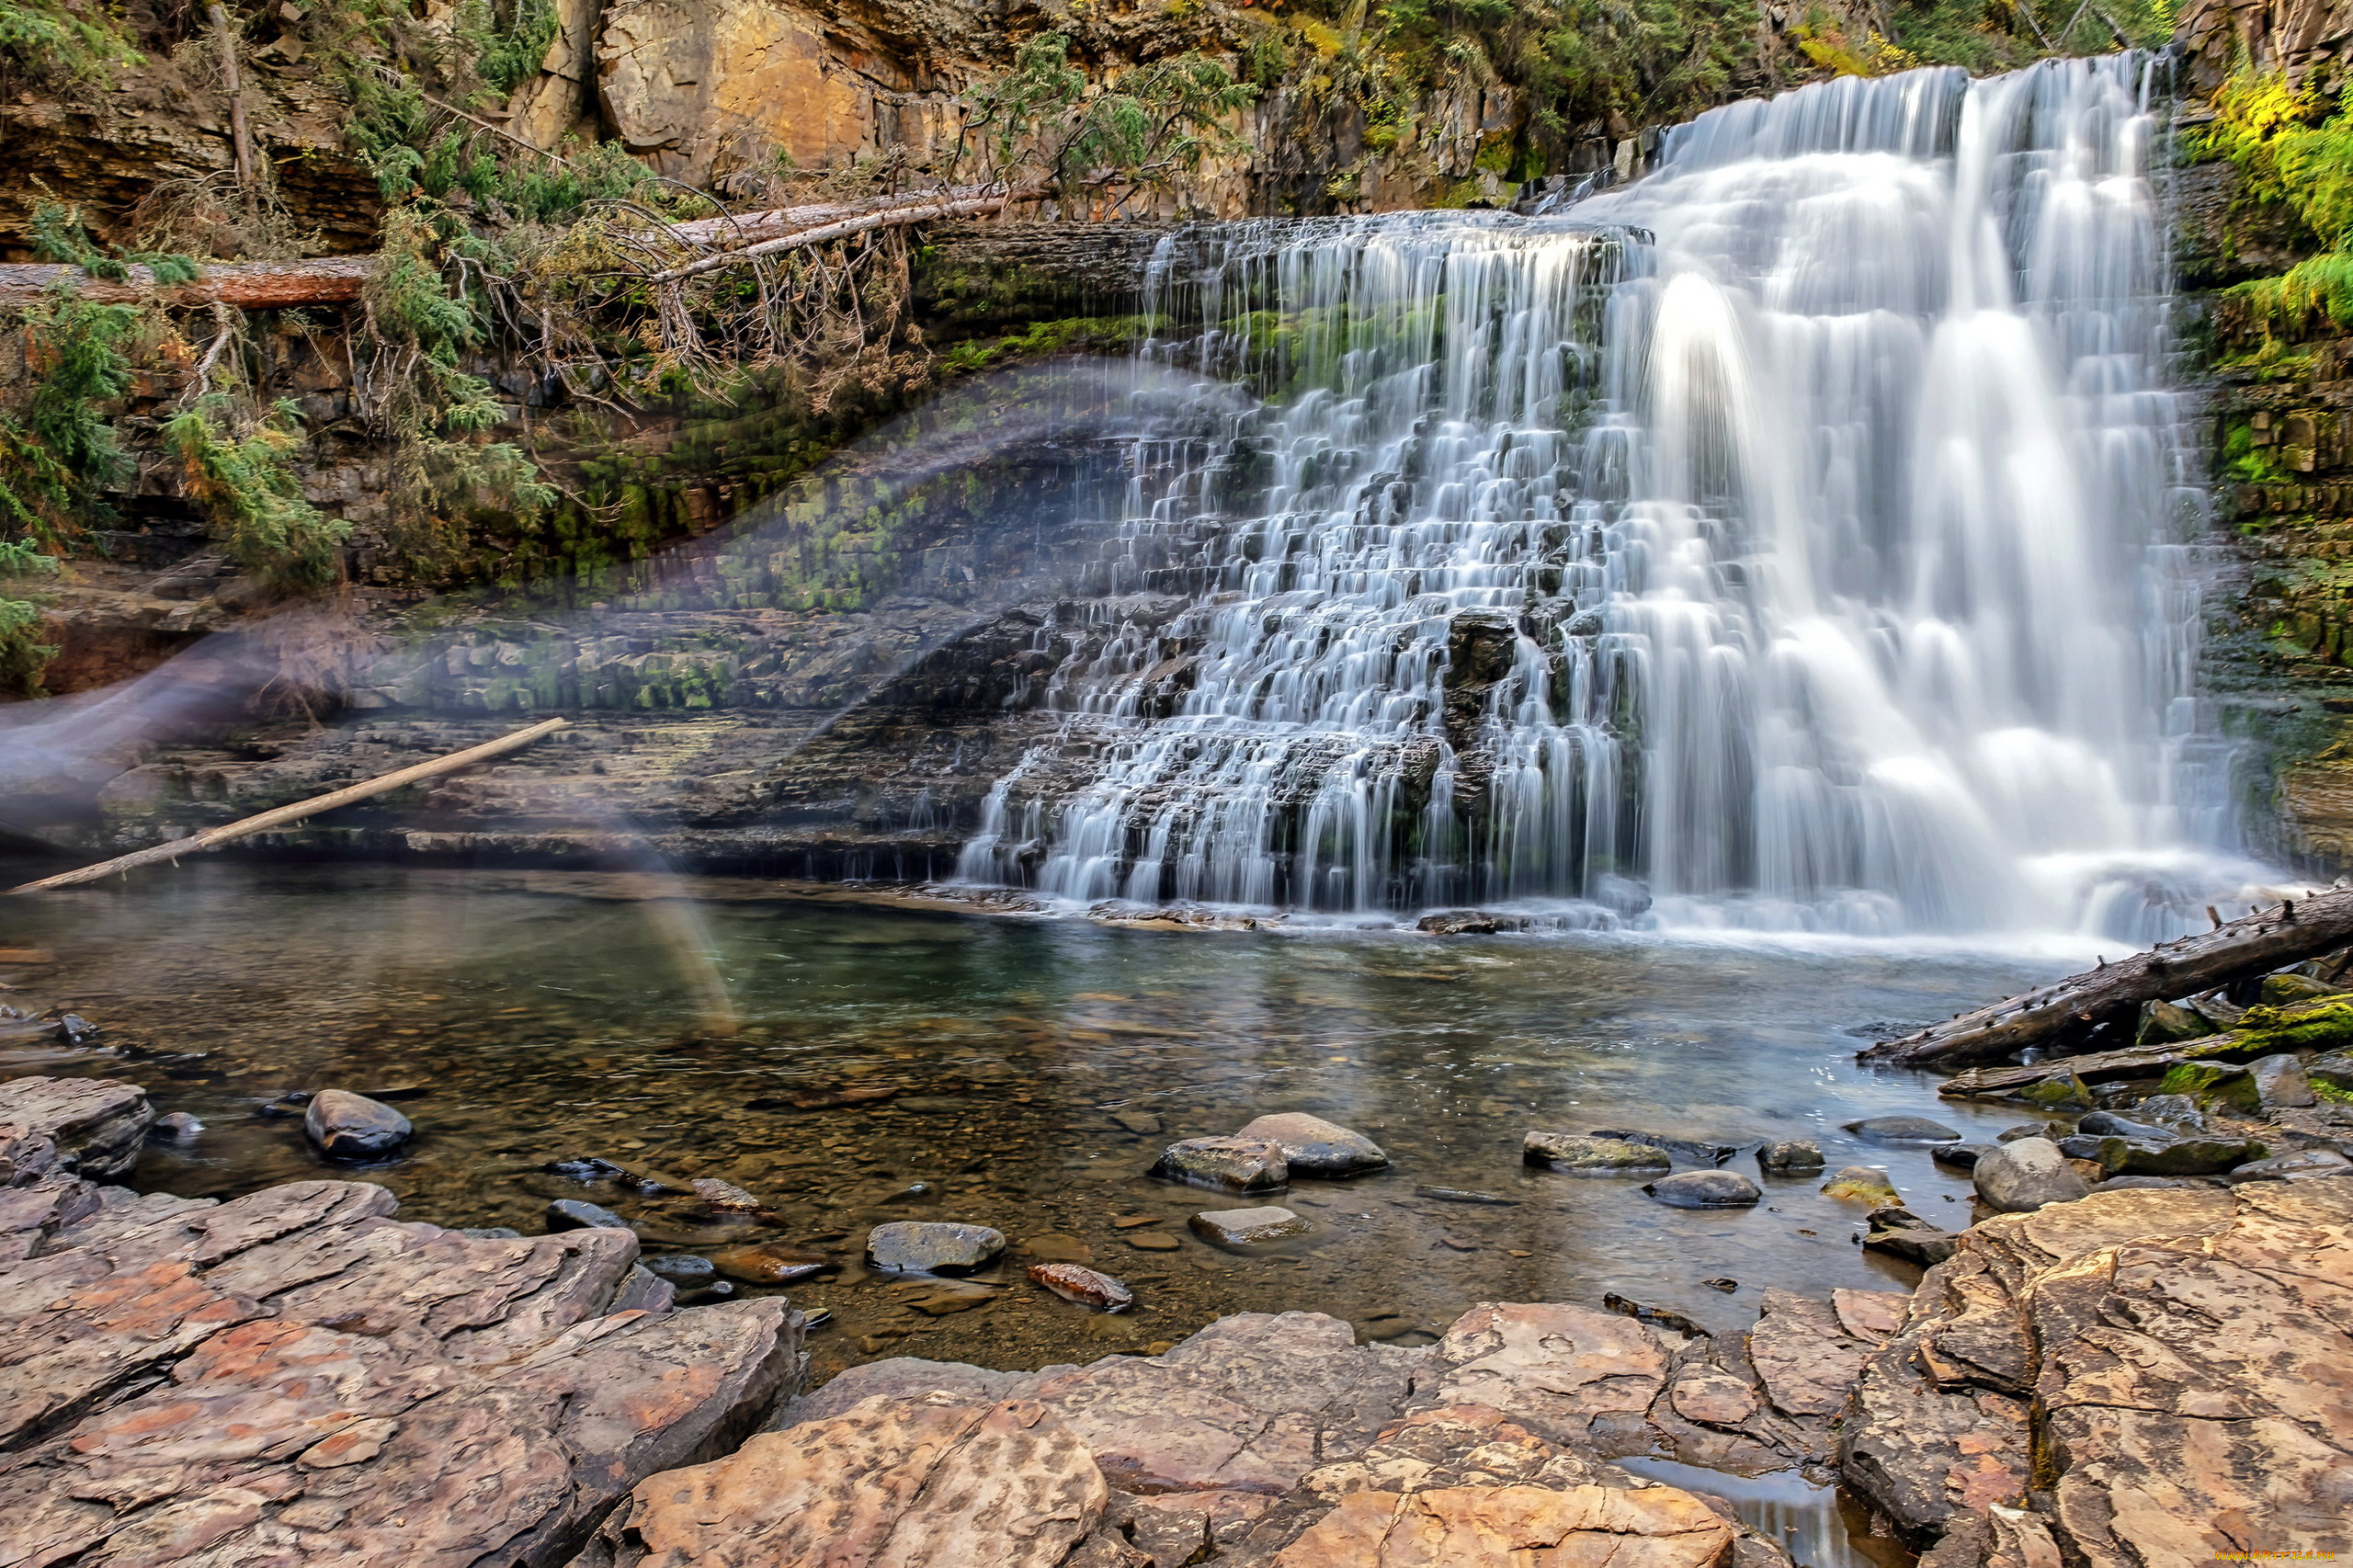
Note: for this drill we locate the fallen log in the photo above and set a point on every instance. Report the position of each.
(246, 285)
(2101, 1066)
(2240, 950)
(751, 228)
(281, 815)
(969, 207)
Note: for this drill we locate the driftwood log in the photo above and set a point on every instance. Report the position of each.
(2286, 933)
(246, 285)
(2099, 1066)
(279, 817)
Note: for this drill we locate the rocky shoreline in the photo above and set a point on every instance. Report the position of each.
(2135, 1376)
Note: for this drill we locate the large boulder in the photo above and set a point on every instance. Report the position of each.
(1314, 1147)
(2155, 1374)
(2025, 1175)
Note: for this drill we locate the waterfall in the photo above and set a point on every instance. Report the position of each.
(1797, 537)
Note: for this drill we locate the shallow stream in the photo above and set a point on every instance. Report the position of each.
(1019, 1072)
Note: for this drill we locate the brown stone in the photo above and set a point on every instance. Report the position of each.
(912, 1485)
(1657, 1527)
(2167, 1350)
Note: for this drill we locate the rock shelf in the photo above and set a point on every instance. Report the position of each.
(297, 1376)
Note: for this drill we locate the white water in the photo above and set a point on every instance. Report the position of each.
(1821, 495)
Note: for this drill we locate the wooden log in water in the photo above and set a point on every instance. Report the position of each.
(2239, 949)
(279, 816)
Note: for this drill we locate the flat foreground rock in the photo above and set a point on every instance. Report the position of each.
(296, 1377)
(2164, 1366)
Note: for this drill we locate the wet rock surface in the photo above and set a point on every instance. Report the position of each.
(1593, 1156)
(1248, 1227)
(73, 1126)
(1705, 1189)
(2168, 1349)
(295, 1375)
(1314, 1147)
(1230, 1165)
(932, 1246)
(346, 1126)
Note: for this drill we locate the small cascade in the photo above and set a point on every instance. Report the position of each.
(1799, 538)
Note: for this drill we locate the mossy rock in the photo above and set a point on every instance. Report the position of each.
(2210, 1084)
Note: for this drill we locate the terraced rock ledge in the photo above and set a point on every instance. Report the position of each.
(298, 1377)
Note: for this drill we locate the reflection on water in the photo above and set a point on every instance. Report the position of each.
(1814, 1524)
(1022, 1074)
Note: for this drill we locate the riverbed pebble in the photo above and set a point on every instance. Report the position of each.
(1314, 1147)
(1248, 1227)
(1086, 1286)
(933, 1245)
(1592, 1156)
(1705, 1189)
(347, 1126)
(2025, 1175)
(685, 1270)
(1231, 1164)
(1902, 1129)
(1152, 1241)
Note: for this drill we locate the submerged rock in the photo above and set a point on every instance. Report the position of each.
(1231, 1164)
(574, 1214)
(1863, 1184)
(1791, 1156)
(685, 1270)
(1960, 1156)
(1903, 1130)
(177, 1127)
(1314, 1147)
(1691, 1149)
(770, 1263)
(1705, 1189)
(933, 1246)
(1592, 1156)
(1465, 1195)
(2024, 1175)
(1248, 1227)
(346, 1126)
(1074, 1282)
(726, 1195)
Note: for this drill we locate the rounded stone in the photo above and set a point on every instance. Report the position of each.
(1312, 1146)
(1789, 1154)
(347, 1126)
(1230, 1165)
(2023, 1176)
(933, 1246)
(177, 1127)
(1960, 1156)
(1705, 1189)
(1863, 1184)
(1592, 1156)
(1900, 1130)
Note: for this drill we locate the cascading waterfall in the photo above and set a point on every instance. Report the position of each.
(1798, 538)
